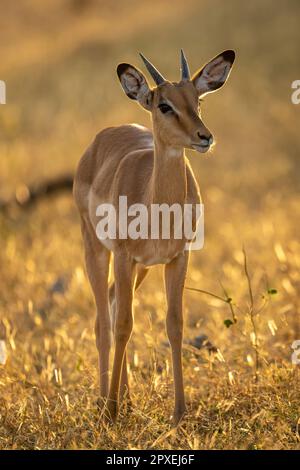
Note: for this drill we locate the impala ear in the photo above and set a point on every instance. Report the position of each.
(135, 85)
(214, 74)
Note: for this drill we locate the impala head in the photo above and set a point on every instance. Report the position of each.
(175, 105)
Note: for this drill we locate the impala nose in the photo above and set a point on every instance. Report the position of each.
(205, 139)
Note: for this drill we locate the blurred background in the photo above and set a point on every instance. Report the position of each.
(58, 59)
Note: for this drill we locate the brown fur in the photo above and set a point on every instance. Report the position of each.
(147, 168)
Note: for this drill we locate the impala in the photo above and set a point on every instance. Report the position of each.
(148, 168)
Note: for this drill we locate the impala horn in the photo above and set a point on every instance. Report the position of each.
(157, 77)
(185, 71)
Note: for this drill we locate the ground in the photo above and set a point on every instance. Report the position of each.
(58, 60)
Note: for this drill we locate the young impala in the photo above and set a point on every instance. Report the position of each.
(148, 168)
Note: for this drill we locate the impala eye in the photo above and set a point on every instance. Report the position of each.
(165, 108)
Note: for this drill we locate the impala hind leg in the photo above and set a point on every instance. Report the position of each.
(97, 260)
(175, 273)
(141, 273)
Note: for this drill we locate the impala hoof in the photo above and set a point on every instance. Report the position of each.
(178, 416)
(101, 402)
(111, 412)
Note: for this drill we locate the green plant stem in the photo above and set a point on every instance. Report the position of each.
(251, 315)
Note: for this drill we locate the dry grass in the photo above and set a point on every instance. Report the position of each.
(59, 62)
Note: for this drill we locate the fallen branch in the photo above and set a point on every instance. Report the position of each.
(25, 197)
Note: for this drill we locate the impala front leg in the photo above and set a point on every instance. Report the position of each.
(175, 273)
(141, 273)
(124, 281)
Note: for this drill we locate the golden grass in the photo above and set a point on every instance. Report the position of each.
(59, 64)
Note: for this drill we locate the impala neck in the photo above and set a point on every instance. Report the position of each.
(169, 174)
